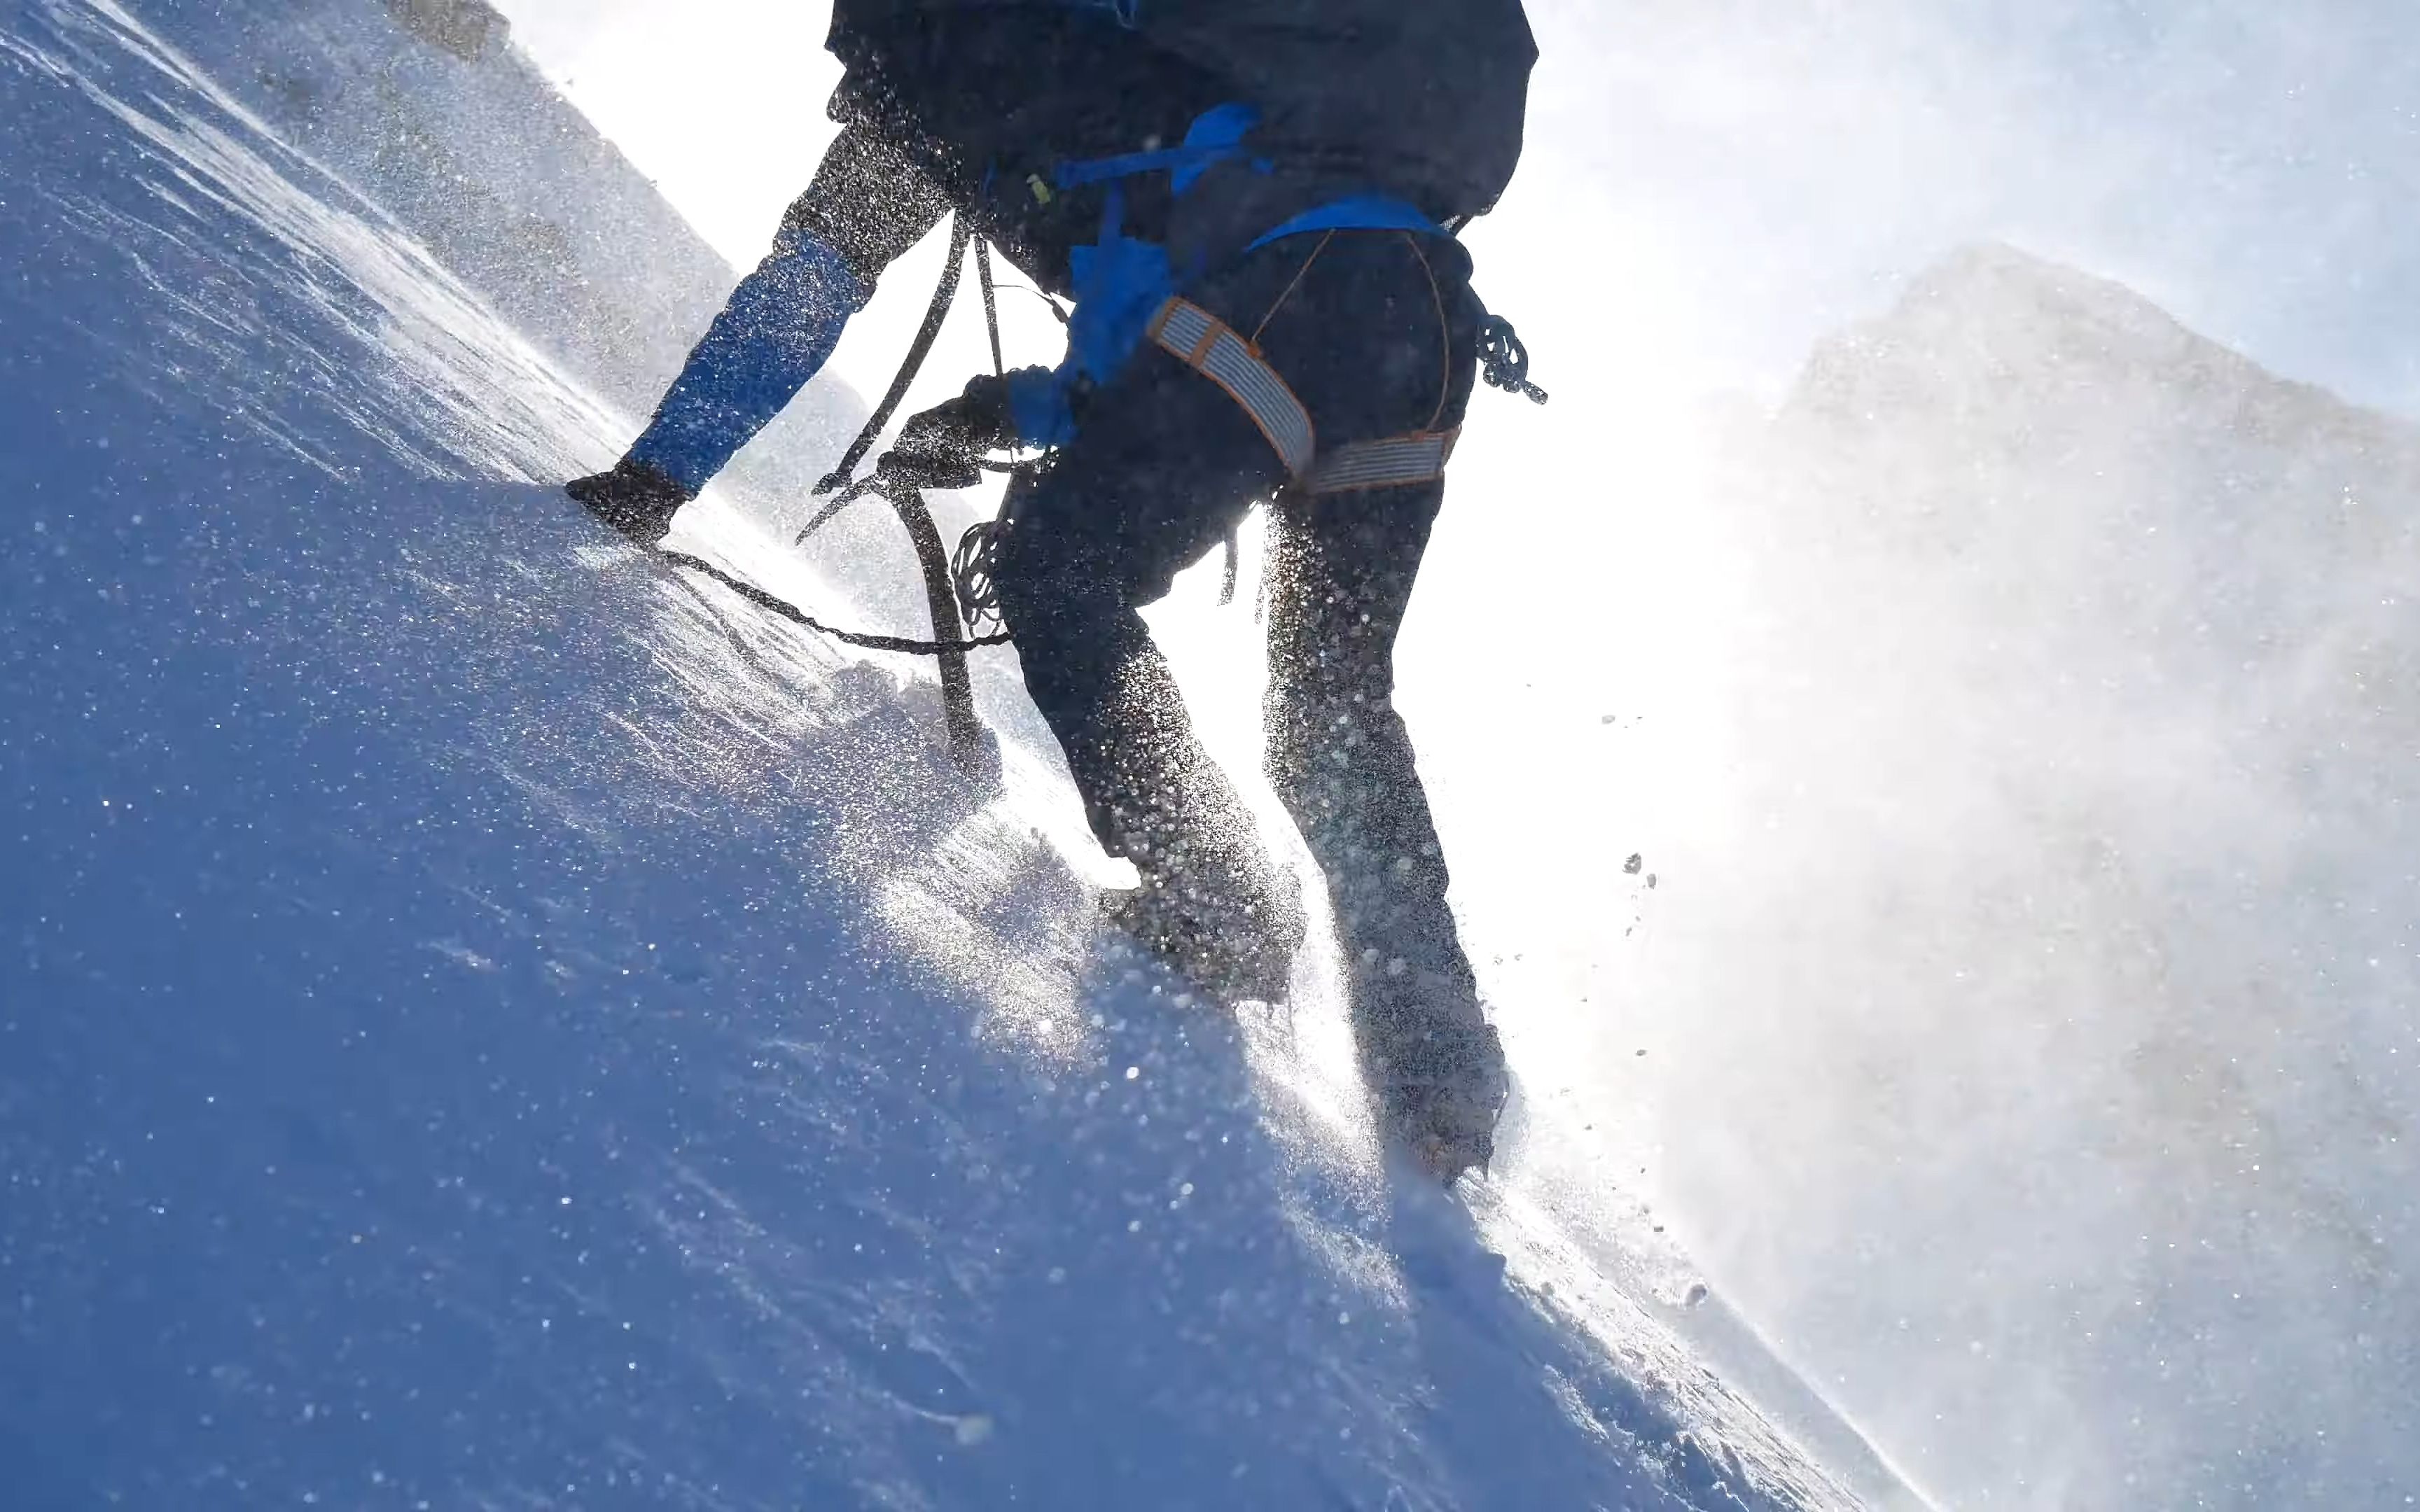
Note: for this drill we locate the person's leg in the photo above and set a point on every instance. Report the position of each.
(1341, 760)
(1379, 338)
(1163, 467)
(1376, 335)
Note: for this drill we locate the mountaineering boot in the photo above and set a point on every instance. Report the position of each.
(1435, 1065)
(638, 499)
(1235, 939)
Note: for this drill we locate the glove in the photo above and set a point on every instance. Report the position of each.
(637, 498)
(941, 448)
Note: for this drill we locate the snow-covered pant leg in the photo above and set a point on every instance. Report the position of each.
(1341, 759)
(1376, 335)
(1164, 466)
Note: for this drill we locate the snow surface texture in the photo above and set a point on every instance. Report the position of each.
(488, 1024)
(471, 151)
(508, 185)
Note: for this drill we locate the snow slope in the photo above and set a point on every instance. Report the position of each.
(485, 1023)
(503, 181)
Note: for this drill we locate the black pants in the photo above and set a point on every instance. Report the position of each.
(1377, 334)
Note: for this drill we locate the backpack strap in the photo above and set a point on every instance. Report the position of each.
(1355, 212)
(1215, 136)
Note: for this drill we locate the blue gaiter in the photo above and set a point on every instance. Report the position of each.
(776, 333)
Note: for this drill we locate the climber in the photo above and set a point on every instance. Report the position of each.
(1252, 205)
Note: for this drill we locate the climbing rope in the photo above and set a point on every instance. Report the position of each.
(971, 576)
(907, 646)
(903, 497)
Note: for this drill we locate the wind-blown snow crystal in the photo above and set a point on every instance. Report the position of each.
(2059, 988)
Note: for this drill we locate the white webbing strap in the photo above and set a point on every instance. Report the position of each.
(1211, 347)
(1390, 463)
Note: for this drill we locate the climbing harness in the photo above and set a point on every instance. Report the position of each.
(1232, 361)
(1213, 349)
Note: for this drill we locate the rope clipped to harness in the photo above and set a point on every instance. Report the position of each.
(971, 576)
(906, 645)
(977, 752)
(905, 499)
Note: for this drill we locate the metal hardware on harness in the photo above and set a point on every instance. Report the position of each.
(1211, 347)
(1504, 362)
